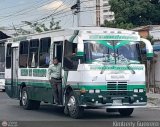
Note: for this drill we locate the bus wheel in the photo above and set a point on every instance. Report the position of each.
(3, 90)
(26, 103)
(65, 110)
(20, 98)
(75, 111)
(125, 111)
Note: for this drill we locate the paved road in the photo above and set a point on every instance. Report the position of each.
(11, 111)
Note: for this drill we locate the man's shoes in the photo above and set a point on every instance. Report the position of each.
(56, 103)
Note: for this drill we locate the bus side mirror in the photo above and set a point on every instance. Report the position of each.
(148, 50)
(148, 55)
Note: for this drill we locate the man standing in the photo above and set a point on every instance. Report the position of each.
(54, 72)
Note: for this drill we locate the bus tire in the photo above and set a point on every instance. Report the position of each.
(65, 110)
(75, 111)
(20, 103)
(20, 98)
(3, 90)
(125, 111)
(26, 103)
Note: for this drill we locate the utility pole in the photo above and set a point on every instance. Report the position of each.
(76, 9)
(98, 13)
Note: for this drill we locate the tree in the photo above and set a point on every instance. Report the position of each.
(132, 13)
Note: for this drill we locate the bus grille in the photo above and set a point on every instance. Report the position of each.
(116, 85)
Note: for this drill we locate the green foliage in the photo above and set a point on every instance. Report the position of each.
(133, 13)
(122, 25)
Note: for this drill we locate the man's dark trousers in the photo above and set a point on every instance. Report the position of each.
(57, 89)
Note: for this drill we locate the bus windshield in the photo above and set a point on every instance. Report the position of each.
(112, 52)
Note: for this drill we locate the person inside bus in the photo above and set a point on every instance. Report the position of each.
(70, 59)
(54, 72)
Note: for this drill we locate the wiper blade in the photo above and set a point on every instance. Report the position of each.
(131, 69)
(103, 68)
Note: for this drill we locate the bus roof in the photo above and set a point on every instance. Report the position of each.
(80, 30)
(103, 30)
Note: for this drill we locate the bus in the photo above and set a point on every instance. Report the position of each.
(2, 65)
(106, 71)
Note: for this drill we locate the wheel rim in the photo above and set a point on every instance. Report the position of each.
(72, 104)
(24, 97)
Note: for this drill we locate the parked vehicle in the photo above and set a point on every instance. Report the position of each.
(2, 65)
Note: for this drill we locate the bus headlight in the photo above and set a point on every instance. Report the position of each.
(97, 91)
(141, 90)
(135, 90)
(91, 91)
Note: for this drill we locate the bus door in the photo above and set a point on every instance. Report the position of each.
(14, 71)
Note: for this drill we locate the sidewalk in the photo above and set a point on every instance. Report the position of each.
(153, 100)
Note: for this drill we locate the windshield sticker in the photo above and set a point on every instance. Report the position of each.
(113, 37)
(118, 45)
(95, 67)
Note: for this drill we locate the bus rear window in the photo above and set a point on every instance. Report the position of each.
(23, 54)
(44, 54)
(8, 56)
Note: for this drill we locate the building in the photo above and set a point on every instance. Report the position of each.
(95, 12)
(149, 30)
(105, 13)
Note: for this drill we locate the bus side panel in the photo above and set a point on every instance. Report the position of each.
(12, 89)
(39, 92)
(8, 87)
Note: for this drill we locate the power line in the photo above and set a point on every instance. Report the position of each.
(52, 14)
(57, 13)
(17, 5)
(25, 10)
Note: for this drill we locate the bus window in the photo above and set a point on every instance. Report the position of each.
(33, 53)
(70, 61)
(58, 50)
(23, 54)
(44, 53)
(8, 56)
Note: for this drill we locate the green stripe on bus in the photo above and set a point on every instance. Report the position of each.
(80, 54)
(149, 54)
(104, 87)
(122, 43)
(86, 87)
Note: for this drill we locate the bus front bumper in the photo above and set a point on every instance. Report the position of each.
(130, 100)
(110, 105)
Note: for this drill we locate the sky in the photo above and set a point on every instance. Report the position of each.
(14, 12)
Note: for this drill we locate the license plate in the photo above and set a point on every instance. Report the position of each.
(117, 102)
(117, 77)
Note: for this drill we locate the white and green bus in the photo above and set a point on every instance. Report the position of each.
(106, 71)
